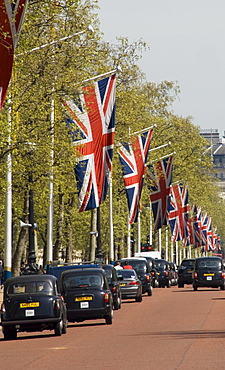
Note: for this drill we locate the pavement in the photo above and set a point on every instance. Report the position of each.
(1, 295)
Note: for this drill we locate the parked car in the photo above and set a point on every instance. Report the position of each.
(32, 303)
(87, 294)
(185, 271)
(208, 272)
(141, 266)
(114, 285)
(164, 273)
(131, 286)
(174, 273)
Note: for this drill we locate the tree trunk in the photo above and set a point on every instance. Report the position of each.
(93, 234)
(59, 236)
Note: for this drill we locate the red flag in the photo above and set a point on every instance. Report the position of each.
(11, 19)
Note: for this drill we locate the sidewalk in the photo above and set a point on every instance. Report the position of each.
(1, 295)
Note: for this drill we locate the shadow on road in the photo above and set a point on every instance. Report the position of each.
(199, 290)
(192, 334)
(79, 325)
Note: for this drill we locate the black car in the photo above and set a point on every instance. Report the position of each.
(32, 303)
(114, 285)
(87, 294)
(185, 271)
(151, 262)
(141, 266)
(173, 272)
(164, 273)
(131, 286)
(208, 272)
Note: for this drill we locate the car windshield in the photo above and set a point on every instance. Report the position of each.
(83, 281)
(138, 266)
(160, 265)
(108, 273)
(187, 263)
(126, 274)
(209, 264)
(30, 287)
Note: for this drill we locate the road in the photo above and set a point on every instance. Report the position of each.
(173, 329)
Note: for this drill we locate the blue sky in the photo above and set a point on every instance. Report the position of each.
(187, 45)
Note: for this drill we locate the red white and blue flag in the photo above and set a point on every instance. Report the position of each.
(11, 19)
(178, 212)
(160, 187)
(133, 158)
(93, 137)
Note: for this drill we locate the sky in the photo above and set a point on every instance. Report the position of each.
(187, 45)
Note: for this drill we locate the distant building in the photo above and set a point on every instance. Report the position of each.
(212, 135)
(216, 149)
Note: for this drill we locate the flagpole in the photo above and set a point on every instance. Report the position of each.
(165, 156)
(150, 220)
(171, 251)
(142, 131)
(159, 147)
(128, 238)
(56, 41)
(177, 257)
(160, 240)
(139, 232)
(111, 246)
(100, 76)
(167, 243)
(8, 205)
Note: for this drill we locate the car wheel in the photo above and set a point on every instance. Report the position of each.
(139, 298)
(64, 328)
(168, 284)
(222, 287)
(9, 333)
(59, 328)
(116, 305)
(195, 288)
(109, 318)
(150, 292)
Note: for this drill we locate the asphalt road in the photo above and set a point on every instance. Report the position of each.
(173, 329)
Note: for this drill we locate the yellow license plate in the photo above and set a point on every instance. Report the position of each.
(209, 274)
(122, 284)
(28, 305)
(85, 298)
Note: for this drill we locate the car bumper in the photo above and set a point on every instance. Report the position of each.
(208, 283)
(87, 313)
(34, 322)
(185, 279)
(130, 293)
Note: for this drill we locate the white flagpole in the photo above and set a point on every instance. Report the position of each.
(111, 246)
(150, 220)
(128, 239)
(139, 232)
(8, 206)
(177, 257)
(49, 251)
(142, 131)
(160, 240)
(167, 243)
(100, 76)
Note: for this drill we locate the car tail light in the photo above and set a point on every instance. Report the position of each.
(195, 275)
(114, 289)
(2, 308)
(57, 304)
(147, 278)
(106, 298)
(223, 275)
(134, 283)
(166, 273)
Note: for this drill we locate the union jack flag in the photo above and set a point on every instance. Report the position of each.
(178, 212)
(11, 19)
(133, 158)
(94, 119)
(160, 186)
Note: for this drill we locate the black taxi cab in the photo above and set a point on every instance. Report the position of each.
(32, 303)
(87, 294)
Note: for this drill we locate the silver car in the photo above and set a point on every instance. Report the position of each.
(131, 286)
